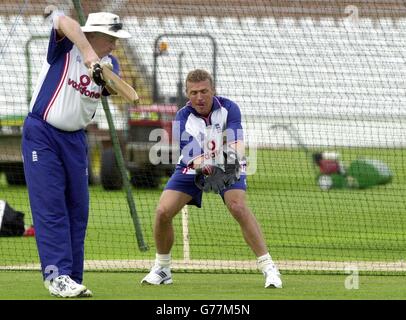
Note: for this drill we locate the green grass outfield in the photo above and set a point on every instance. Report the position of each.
(126, 286)
(300, 222)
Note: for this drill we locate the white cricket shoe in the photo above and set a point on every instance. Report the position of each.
(64, 287)
(272, 277)
(85, 294)
(158, 275)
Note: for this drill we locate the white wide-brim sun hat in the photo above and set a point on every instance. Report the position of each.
(107, 23)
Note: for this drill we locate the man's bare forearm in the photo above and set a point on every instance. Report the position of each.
(70, 28)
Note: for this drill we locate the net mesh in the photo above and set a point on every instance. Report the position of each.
(310, 77)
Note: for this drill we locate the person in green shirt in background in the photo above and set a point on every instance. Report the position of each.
(360, 174)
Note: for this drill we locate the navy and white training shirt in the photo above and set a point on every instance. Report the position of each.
(206, 136)
(65, 95)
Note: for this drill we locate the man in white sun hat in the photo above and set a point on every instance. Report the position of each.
(106, 23)
(54, 145)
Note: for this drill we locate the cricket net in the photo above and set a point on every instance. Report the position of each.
(310, 77)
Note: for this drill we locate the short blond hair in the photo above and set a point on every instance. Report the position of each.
(199, 75)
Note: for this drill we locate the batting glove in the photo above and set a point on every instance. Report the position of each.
(96, 74)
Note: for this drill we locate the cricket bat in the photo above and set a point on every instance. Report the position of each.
(120, 86)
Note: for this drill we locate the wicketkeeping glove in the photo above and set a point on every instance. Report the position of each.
(210, 179)
(97, 75)
(214, 179)
(232, 169)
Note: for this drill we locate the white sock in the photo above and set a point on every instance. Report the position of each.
(163, 260)
(264, 261)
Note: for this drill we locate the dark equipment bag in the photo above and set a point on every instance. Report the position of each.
(11, 221)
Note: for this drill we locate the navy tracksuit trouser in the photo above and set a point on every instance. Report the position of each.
(55, 166)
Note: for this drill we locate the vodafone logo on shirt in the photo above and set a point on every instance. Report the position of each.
(82, 86)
